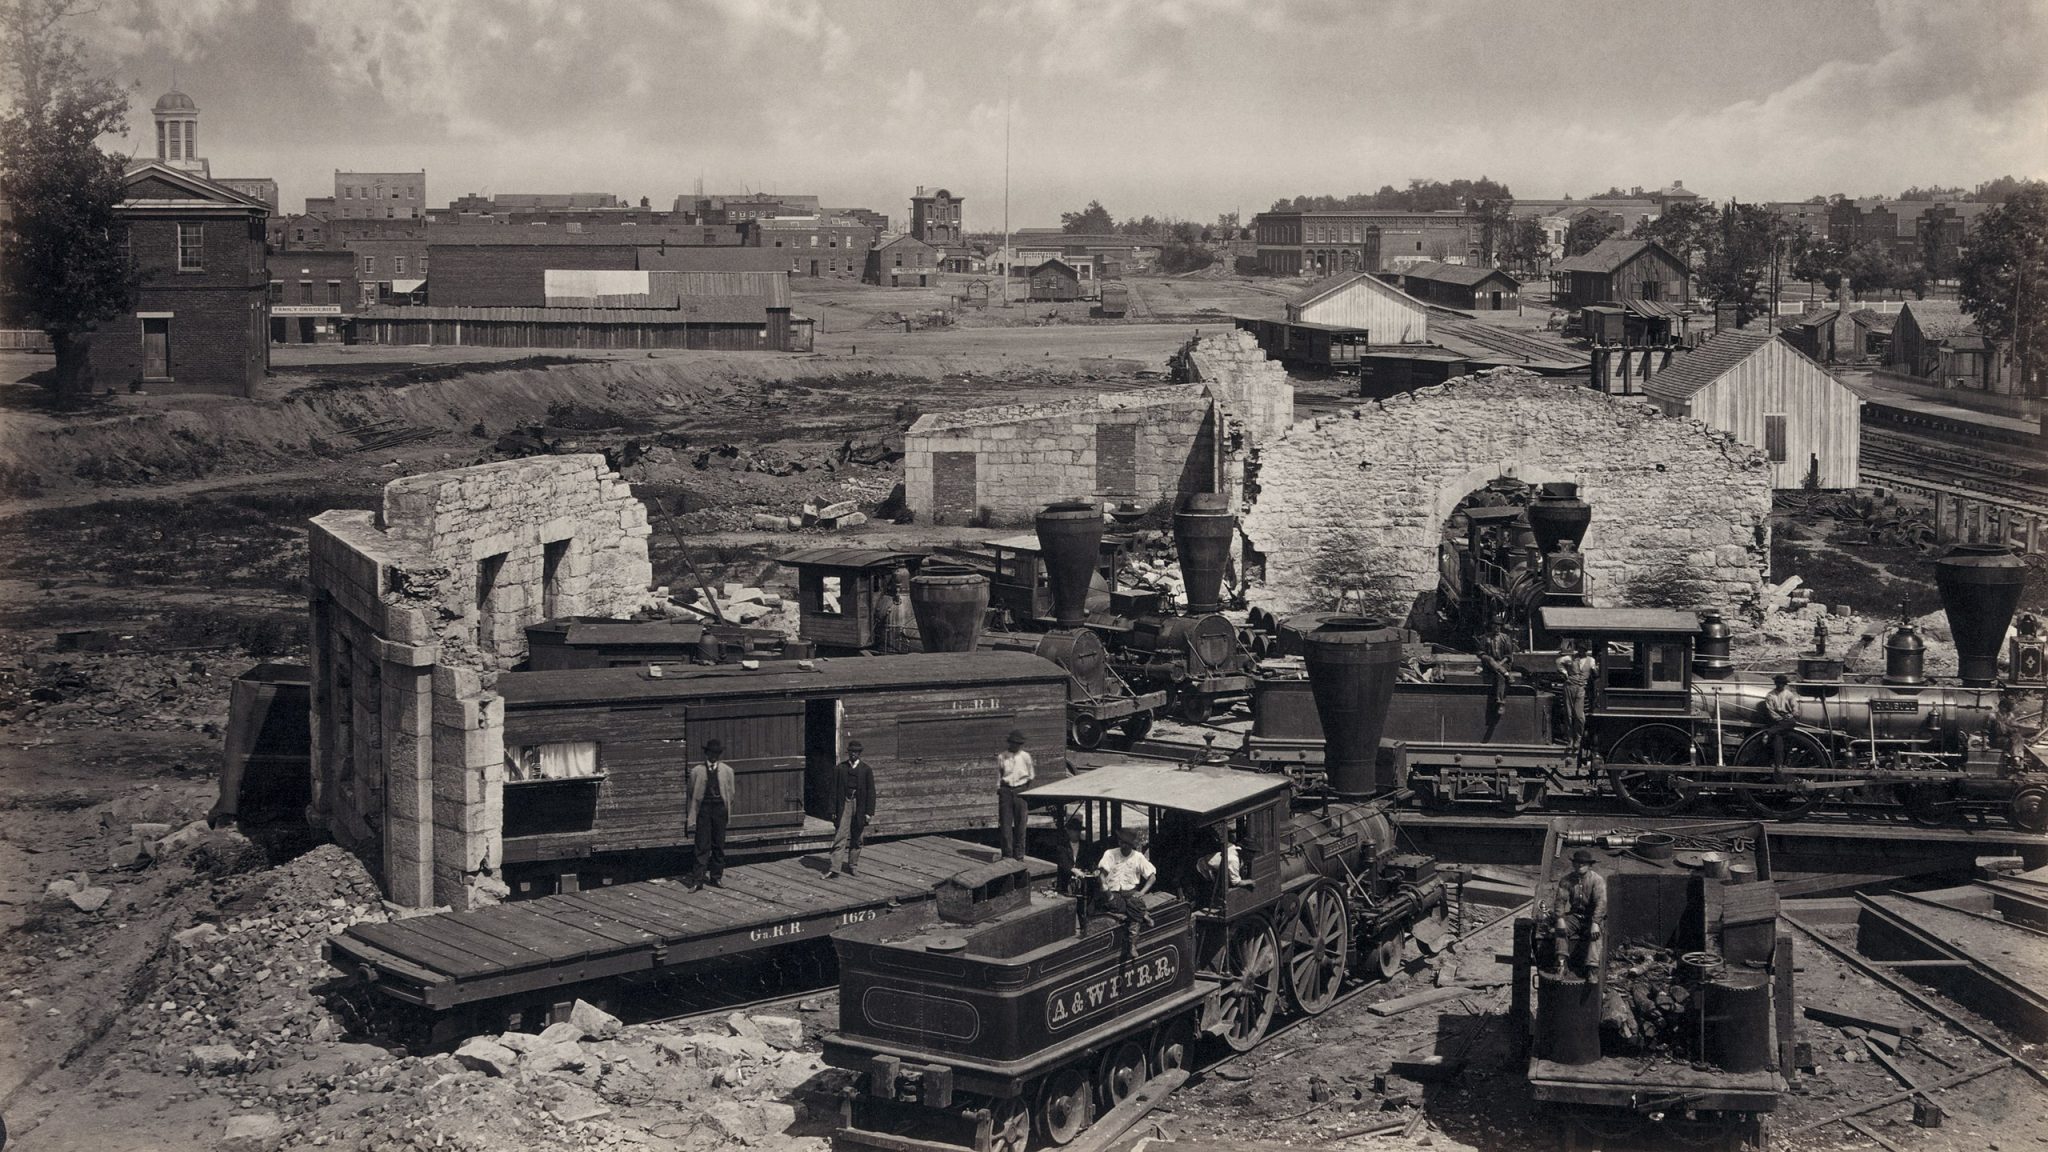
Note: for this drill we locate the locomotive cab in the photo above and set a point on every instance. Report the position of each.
(1645, 654)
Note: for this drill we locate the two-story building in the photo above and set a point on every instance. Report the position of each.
(1619, 271)
(312, 294)
(199, 321)
(902, 262)
(1333, 243)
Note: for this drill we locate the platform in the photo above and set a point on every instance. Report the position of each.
(1809, 857)
(450, 959)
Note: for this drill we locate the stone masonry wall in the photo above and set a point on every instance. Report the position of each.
(407, 735)
(1027, 455)
(1681, 513)
(1254, 389)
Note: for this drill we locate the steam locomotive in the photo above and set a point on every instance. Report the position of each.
(1000, 1012)
(1670, 721)
(1519, 552)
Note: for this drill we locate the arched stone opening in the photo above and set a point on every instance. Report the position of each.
(1358, 500)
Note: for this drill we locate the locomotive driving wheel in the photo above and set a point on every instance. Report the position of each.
(1653, 791)
(1171, 1045)
(2029, 808)
(1930, 805)
(1066, 1105)
(1009, 1126)
(1802, 754)
(1253, 992)
(1316, 957)
(1122, 1073)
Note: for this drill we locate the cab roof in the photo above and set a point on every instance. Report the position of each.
(1618, 621)
(1199, 790)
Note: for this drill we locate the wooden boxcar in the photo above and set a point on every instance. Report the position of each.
(931, 724)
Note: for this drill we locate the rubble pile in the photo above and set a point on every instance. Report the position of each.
(231, 996)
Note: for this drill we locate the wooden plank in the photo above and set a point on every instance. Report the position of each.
(556, 941)
(678, 900)
(662, 919)
(918, 858)
(577, 912)
(734, 908)
(864, 887)
(399, 941)
(364, 952)
(515, 948)
(1120, 1119)
(1414, 1000)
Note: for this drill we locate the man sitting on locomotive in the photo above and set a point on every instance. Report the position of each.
(2005, 733)
(1578, 907)
(1781, 716)
(1123, 876)
(1222, 869)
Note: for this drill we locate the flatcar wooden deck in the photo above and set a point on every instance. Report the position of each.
(451, 959)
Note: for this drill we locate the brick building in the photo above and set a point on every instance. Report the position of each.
(199, 322)
(312, 294)
(935, 218)
(380, 195)
(1329, 243)
(817, 247)
(904, 262)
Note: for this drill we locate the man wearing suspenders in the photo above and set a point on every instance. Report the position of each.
(710, 804)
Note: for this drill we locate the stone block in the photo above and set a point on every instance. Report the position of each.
(594, 1023)
(482, 1054)
(252, 1132)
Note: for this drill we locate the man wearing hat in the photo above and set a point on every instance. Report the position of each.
(1579, 667)
(711, 790)
(853, 797)
(1014, 772)
(1126, 874)
(1781, 716)
(1497, 657)
(1577, 910)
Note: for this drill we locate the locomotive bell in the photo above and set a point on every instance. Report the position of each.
(1904, 655)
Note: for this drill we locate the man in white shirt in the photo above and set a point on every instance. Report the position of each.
(1014, 772)
(1577, 664)
(1223, 869)
(1126, 875)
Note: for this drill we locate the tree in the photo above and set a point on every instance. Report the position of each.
(1527, 244)
(66, 257)
(1228, 225)
(2005, 280)
(1816, 261)
(1093, 219)
(1739, 256)
(1687, 228)
(1494, 221)
(1585, 234)
(1998, 191)
(1870, 268)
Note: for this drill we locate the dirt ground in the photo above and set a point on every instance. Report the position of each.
(154, 548)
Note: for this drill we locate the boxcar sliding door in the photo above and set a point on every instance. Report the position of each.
(764, 743)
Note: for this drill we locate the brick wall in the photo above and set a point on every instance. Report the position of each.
(509, 275)
(1681, 512)
(218, 338)
(407, 734)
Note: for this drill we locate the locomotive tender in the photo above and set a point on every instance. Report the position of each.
(1671, 721)
(1001, 1012)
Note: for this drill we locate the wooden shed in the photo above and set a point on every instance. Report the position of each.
(1358, 301)
(1936, 339)
(597, 759)
(1468, 286)
(1768, 394)
(1055, 280)
(1617, 271)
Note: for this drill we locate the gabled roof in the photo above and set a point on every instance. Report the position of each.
(1715, 359)
(899, 241)
(1331, 285)
(1939, 319)
(1874, 320)
(1055, 262)
(202, 189)
(1467, 275)
(1612, 253)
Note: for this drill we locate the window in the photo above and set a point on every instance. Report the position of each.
(348, 192)
(277, 291)
(1650, 289)
(554, 557)
(390, 213)
(394, 193)
(369, 265)
(299, 235)
(568, 760)
(162, 143)
(831, 596)
(1774, 437)
(423, 265)
(488, 570)
(305, 291)
(191, 247)
(398, 265)
(334, 291)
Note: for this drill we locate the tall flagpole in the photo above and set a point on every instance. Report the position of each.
(1006, 194)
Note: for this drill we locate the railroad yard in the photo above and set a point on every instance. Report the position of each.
(173, 985)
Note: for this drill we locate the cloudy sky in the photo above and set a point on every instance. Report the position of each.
(1182, 107)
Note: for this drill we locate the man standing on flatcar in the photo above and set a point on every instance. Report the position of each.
(853, 796)
(1781, 716)
(1014, 772)
(711, 788)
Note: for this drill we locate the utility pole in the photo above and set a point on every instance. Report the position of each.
(1006, 193)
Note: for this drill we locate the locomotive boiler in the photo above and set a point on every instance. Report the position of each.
(1000, 1012)
(1519, 552)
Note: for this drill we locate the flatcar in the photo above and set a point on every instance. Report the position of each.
(982, 1021)
(1671, 722)
(1675, 1024)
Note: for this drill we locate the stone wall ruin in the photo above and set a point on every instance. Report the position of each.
(1358, 500)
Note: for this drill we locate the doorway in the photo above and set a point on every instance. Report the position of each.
(306, 333)
(277, 330)
(156, 348)
(821, 752)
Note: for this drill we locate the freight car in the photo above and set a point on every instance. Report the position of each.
(1003, 1011)
(1671, 721)
(1675, 1022)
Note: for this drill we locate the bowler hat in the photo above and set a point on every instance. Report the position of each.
(1584, 856)
(854, 746)
(714, 747)
(1781, 679)
(1016, 735)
